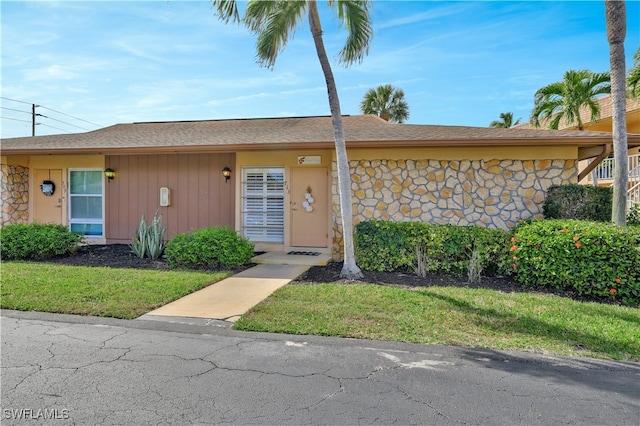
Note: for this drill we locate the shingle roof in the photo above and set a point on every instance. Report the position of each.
(272, 133)
(606, 112)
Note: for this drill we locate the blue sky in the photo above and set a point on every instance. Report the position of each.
(459, 62)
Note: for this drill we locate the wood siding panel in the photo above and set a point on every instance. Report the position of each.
(200, 197)
(204, 189)
(181, 193)
(171, 164)
(227, 190)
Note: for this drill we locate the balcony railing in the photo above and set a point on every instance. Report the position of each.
(604, 172)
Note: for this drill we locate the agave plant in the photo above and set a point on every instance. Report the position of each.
(148, 240)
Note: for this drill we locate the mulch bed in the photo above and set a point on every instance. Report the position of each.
(121, 256)
(113, 255)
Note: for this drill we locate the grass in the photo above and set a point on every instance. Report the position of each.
(452, 316)
(434, 315)
(108, 292)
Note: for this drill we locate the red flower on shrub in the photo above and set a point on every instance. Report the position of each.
(578, 245)
(515, 266)
(513, 239)
(514, 248)
(612, 291)
(617, 281)
(576, 238)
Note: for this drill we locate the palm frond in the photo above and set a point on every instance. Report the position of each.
(562, 100)
(356, 18)
(226, 10)
(274, 22)
(386, 102)
(633, 76)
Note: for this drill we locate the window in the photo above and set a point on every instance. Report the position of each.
(85, 202)
(263, 204)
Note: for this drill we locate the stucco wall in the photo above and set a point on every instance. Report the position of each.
(14, 194)
(490, 193)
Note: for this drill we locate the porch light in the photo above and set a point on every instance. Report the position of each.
(226, 172)
(110, 173)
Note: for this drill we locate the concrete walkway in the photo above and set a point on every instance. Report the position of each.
(228, 299)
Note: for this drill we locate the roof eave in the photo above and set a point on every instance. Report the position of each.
(633, 140)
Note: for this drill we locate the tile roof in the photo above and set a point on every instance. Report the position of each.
(282, 133)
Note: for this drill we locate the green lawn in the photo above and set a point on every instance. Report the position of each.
(108, 292)
(434, 315)
(452, 316)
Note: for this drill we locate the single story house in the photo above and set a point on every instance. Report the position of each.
(274, 179)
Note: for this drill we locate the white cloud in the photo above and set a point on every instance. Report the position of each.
(51, 72)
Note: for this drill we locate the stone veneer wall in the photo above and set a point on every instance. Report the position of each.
(488, 193)
(14, 194)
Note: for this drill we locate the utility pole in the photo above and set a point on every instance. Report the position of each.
(33, 119)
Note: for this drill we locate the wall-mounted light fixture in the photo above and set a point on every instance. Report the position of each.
(226, 172)
(110, 173)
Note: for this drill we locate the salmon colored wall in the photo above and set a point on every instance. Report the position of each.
(200, 197)
(64, 163)
(15, 160)
(287, 160)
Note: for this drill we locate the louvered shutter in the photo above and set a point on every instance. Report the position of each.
(263, 204)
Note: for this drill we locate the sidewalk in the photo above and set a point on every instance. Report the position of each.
(228, 299)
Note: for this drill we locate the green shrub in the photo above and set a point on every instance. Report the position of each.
(36, 241)
(633, 216)
(421, 248)
(589, 257)
(148, 240)
(209, 248)
(578, 202)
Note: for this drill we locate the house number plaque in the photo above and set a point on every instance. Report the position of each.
(309, 159)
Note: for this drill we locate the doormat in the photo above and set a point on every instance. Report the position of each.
(305, 253)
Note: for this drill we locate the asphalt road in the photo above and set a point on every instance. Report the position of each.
(60, 369)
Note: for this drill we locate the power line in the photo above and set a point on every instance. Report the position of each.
(53, 127)
(18, 110)
(50, 109)
(15, 100)
(60, 121)
(15, 119)
(34, 115)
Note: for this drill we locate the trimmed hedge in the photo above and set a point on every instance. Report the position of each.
(591, 258)
(578, 202)
(36, 241)
(392, 246)
(208, 248)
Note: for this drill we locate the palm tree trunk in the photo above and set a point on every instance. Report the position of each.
(350, 270)
(615, 13)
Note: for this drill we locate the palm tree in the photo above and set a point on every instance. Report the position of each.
(563, 99)
(633, 79)
(506, 121)
(274, 22)
(616, 19)
(386, 102)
